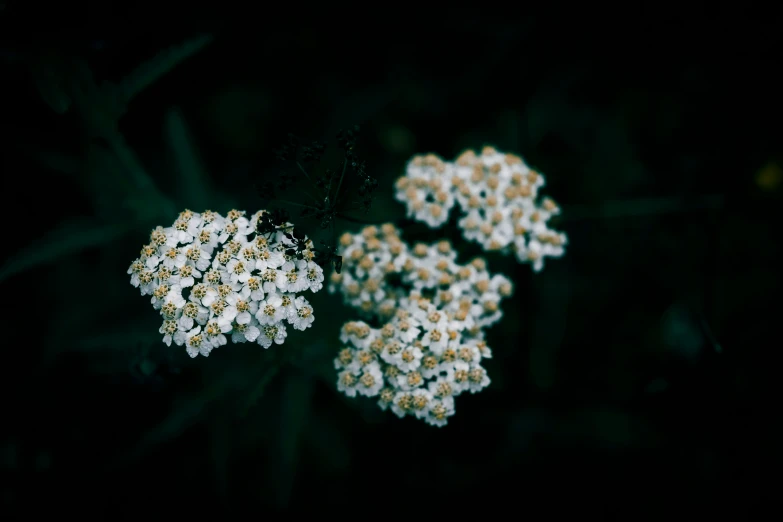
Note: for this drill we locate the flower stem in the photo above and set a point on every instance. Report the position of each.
(297, 204)
(310, 180)
(353, 219)
(340, 183)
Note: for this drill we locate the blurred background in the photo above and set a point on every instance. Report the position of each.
(635, 371)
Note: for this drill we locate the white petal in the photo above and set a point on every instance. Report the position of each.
(186, 322)
(252, 333)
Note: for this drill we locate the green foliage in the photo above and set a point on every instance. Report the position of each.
(113, 173)
(68, 238)
(191, 177)
(51, 85)
(186, 412)
(584, 366)
(269, 368)
(151, 71)
(295, 407)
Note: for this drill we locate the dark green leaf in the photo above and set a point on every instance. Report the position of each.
(295, 408)
(151, 71)
(192, 181)
(67, 239)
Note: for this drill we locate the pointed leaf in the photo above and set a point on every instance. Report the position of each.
(67, 239)
(360, 107)
(296, 402)
(220, 452)
(192, 180)
(185, 413)
(326, 439)
(149, 72)
(50, 86)
(53, 160)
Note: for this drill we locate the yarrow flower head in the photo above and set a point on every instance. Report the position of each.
(214, 278)
(498, 198)
(430, 313)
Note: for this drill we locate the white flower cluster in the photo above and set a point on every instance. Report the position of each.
(211, 276)
(432, 313)
(498, 196)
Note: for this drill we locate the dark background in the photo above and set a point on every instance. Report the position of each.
(631, 377)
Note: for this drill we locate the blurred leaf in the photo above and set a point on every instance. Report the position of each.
(268, 372)
(658, 385)
(681, 332)
(327, 441)
(295, 405)
(154, 203)
(118, 339)
(53, 160)
(220, 451)
(192, 181)
(769, 177)
(185, 413)
(549, 325)
(106, 183)
(148, 367)
(67, 239)
(50, 84)
(151, 71)
(98, 108)
(360, 107)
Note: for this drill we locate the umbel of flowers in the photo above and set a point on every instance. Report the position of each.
(423, 340)
(214, 277)
(498, 199)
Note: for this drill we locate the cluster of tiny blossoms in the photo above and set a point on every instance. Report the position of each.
(212, 276)
(498, 198)
(431, 313)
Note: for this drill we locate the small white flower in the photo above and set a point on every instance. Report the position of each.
(295, 277)
(136, 268)
(208, 239)
(271, 310)
(422, 401)
(273, 279)
(370, 381)
(409, 359)
(197, 255)
(214, 332)
(267, 258)
(245, 332)
(272, 333)
(186, 276)
(410, 381)
(195, 343)
(459, 377)
(173, 258)
(183, 231)
(441, 388)
(172, 331)
(174, 296)
(303, 317)
(346, 383)
(241, 301)
(239, 271)
(315, 276)
(402, 403)
(192, 314)
(159, 295)
(478, 379)
(439, 412)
